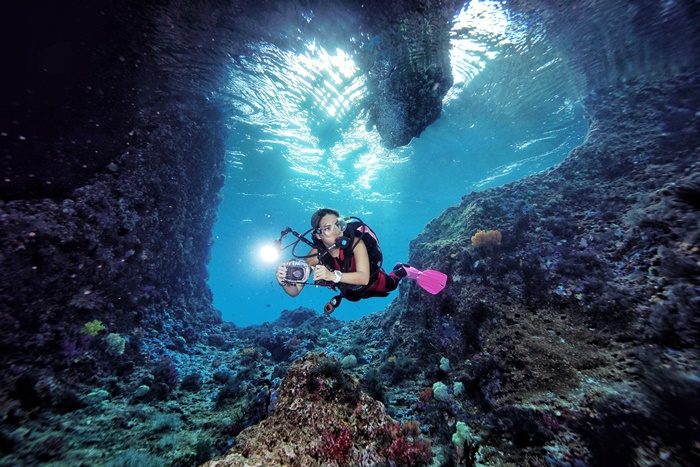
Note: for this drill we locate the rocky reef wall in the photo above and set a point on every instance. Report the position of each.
(580, 319)
(569, 337)
(125, 245)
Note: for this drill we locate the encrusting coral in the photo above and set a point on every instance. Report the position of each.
(321, 417)
(486, 238)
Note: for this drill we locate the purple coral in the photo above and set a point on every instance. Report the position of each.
(166, 372)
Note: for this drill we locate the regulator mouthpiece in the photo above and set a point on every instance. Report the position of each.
(342, 242)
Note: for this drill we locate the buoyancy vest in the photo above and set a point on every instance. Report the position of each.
(375, 288)
(345, 262)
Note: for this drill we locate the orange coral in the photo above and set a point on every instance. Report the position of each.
(426, 394)
(484, 238)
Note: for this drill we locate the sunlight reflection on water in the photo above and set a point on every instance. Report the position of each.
(299, 139)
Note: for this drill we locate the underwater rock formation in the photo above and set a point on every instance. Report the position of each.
(322, 417)
(409, 69)
(124, 244)
(128, 249)
(582, 323)
(121, 234)
(572, 340)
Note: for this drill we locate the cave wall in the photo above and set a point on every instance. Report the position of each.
(114, 153)
(582, 322)
(66, 67)
(600, 227)
(123, 234)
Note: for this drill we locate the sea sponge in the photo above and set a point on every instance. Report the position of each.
(486, 238)
(93, 328)
(116, 344)
(441, 393)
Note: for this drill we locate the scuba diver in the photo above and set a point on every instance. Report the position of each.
(346, 257)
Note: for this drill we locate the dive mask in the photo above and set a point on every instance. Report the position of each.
(338, 226)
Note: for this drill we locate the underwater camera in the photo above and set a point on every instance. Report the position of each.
(297, 271)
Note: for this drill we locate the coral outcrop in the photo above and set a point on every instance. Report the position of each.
(319, 417)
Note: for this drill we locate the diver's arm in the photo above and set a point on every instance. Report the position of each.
(361, 274)
(359, 277)
(292, 289)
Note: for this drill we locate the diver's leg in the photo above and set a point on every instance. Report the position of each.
(394, 277)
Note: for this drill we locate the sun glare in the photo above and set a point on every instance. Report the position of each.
(269, 253)
(478, 26)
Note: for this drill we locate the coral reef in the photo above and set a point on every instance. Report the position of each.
(562, 325)
(321, 417)
(573, 340)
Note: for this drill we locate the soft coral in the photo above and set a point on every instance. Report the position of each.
(404, 452)
(337, 445)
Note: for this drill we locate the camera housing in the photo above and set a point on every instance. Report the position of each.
(297, 272)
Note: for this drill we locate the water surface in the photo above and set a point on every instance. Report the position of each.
(299, 139)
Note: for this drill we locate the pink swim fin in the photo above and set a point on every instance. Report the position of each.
(430, 280)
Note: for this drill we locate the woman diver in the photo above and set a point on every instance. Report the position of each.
(345, 257)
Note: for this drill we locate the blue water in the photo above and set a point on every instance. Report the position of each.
(298, 141)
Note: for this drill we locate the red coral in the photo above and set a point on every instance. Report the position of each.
(426, 394)
(337, 445)
(403, 452)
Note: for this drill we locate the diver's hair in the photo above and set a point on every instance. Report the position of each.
(320, 214)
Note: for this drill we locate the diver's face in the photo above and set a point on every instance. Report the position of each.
(329, 229)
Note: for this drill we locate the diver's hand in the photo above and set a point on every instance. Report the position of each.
(281, 274)
(322, 273)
